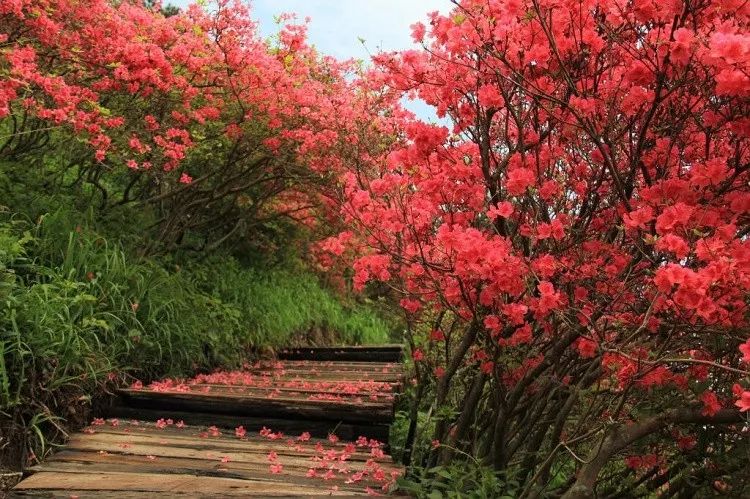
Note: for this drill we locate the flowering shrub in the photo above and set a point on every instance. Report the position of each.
(194, 115)
(573, 252)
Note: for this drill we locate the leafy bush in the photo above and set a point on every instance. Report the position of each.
(460, 479)
(280, 302)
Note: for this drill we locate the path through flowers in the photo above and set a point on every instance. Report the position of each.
(236, 455)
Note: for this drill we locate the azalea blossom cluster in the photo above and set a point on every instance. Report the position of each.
(102, 51)
(574, 248)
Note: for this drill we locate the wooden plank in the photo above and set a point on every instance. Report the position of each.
(370, 367)
(249, 398)
(196, 467)
(201, 435)
(335, 387)
(333, 365)
(360, 367)
(381, 353)
(288, 381)
(87, 494)
(209, 464)
(293, 381)
(348, 376)
(121, 494)
(317, 428)
(76, 461)
(258, 461)
(386, 347)
(289, 391)
(164, 482)
(334, 355)
(298, 382)
(246, 405)
(328, 363)
(125, 442)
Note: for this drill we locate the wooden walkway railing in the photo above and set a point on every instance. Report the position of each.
(312, 423)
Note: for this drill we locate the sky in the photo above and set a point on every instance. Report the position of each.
(337, 25)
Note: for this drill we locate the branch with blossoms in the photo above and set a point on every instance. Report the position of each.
(583, 219)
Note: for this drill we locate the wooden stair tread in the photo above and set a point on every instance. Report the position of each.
(365, 353)
(168, 483)
(317, 428)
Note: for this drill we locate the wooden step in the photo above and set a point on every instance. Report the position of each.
(340, 391)
(137, 458)
(298, 408)
(365, 353)
(319, 429)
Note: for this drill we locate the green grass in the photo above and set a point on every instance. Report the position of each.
(279, 303)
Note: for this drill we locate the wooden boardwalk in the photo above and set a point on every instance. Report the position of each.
(312, 423)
